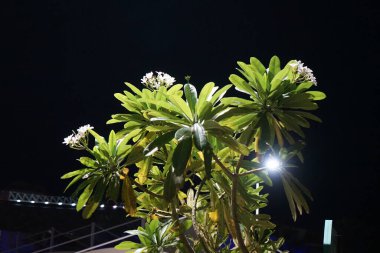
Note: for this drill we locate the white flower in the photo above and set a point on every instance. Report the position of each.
(83, 129)
(304, 73)
(68, 140)
(78, 140)
(156, 81)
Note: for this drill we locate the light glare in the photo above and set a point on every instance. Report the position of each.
(272, 163)
(60, 203)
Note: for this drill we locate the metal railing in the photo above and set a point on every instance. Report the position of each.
(91, 234)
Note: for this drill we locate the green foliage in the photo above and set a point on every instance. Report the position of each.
(174, 137)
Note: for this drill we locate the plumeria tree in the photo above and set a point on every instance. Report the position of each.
(193, 160)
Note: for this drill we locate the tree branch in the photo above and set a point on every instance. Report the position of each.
(198, 231)
(234, 207)
(182, 237)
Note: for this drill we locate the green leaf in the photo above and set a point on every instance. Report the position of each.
(208, 160)
(181, 104)
(219, 94)
(191, 97)
(170, 188)
(257, 65)
(128, 196)
(289, 196)
(199, 135)
(85, 195)
(95, 199)
(183, 133)
(279, 78)
(241, 84)
(274, 66)
(230, 142)
(205, 94)
(134, 89)
(128, 245)
(97, 137)
(144, 168)
(158, 143)
(263, 175)
(181, 156)
(304, 86)
(86, 161)
(74, 173)
(317, 95)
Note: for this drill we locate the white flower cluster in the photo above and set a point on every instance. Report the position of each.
(74, 140)
(304, 73)
(156, 81)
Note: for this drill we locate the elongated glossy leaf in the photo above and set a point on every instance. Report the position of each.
(279, 78)
(134, 89)
(208, 160)
(274, 66)
(95, 199)
(219, 94)
(128, 245)
(241, 84)
(99, 139)
(304, 86)
(170, 188)
(230, 142)
(199, 135)
(191, 97)
(289, 196)
(317, 95)
(174, 89)
(183, 133)
(158, 143)
(75, 173)
(181, 156)
(82, 200)
(181, 104)
(213, 125)
(144, 168)
(257, 65)
(205, 94)
(265, 177)
(128, 196)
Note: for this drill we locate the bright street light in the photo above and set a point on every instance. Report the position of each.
(272, 163)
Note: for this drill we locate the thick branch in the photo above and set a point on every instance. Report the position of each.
(198, 231)
(234, 207)
(182, 237)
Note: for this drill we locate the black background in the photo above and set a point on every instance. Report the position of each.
(62, 61)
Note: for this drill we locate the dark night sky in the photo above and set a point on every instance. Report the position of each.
(62, 61)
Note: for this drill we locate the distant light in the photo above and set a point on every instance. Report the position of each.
(327, 232)
(273, 163)
(73, 204)
(114, 207)
(102, 205)
(60, 203)
(32, 201)
(46, 203)
(18, 201)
